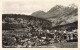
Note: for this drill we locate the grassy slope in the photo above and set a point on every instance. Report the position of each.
(66, 45)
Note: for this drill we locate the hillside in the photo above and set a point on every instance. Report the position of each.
(17, 21)
(68, 27)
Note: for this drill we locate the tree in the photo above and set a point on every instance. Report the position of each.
(7, 19)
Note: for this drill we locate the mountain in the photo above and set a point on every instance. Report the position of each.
(59, 15)
(64, 15)
(55, 11)
(38, 14)
(59, 11)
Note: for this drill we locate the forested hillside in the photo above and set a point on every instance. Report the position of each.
(17, 21)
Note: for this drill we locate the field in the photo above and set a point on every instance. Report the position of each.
(66, 45)
(60, 45)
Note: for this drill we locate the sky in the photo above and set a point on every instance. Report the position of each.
(30, 6)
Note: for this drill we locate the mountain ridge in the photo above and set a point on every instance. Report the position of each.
(60, 15)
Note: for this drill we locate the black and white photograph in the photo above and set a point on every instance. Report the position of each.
(39, 24)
